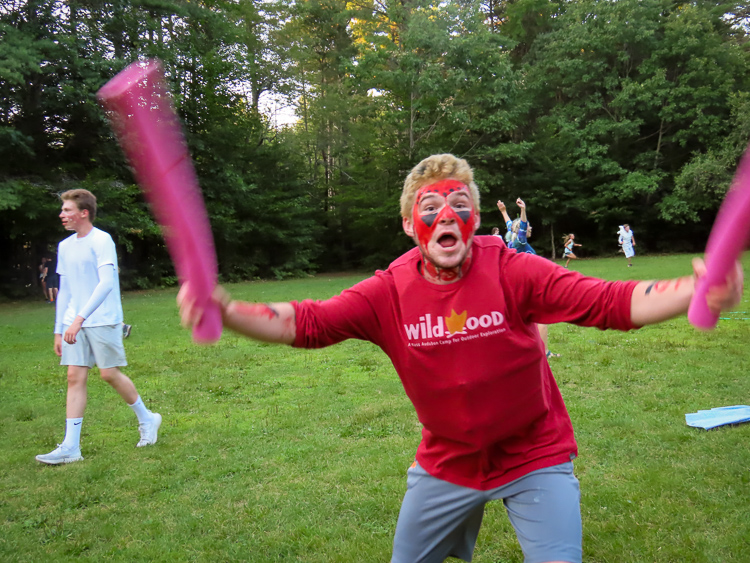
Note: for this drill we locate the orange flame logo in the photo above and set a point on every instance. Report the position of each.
(455, 323)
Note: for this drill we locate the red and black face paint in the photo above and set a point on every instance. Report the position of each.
(425, 225)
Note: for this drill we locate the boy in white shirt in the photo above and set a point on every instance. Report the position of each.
(88, 323)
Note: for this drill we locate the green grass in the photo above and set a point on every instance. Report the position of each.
(273, 454)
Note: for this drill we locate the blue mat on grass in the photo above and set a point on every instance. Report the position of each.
(719, 416)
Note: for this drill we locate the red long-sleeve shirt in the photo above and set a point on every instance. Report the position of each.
(470, 357)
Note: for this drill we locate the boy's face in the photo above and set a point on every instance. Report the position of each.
(71, 216)
(443, 223)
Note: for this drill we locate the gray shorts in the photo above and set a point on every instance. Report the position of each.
(96, 345)
(439, 519)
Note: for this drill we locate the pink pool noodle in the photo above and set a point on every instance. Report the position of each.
(139, 107)
(728, 238)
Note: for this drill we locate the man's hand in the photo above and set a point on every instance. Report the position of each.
(520, 203)
(75, 326)
(190, 315)
(268, 322)
(722, 297)
(58, 345)
(501, 206)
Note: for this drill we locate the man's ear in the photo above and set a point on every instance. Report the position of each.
(408, 227)
(476, 221)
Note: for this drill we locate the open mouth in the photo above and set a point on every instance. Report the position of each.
(447, 241)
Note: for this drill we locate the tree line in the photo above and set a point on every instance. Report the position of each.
(594, 112)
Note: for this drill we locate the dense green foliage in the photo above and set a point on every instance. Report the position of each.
(595, 112)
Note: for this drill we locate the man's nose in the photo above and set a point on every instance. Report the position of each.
(448, 215)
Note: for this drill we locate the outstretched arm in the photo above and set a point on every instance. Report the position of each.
(504, 211)
(657, 301)
(272, 322)
(523, 227)
(522, 206)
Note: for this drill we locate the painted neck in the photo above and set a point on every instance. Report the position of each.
(442, 276)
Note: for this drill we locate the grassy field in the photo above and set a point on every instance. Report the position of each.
(273, 454)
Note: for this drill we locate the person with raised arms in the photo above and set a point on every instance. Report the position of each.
(456, 315)
(508, 237)
(521, 231)
(88, 324)
(512, 240)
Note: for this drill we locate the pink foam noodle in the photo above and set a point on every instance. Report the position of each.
(140, 110)
(728, 239)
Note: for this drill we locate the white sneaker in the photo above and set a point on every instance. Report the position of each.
(149, 430)
(60, 455)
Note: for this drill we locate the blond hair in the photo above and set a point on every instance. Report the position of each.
(84, 199)
(434, 169)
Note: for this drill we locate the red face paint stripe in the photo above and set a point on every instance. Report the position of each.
(448, 186)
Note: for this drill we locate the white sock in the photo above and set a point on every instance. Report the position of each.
(140, 410)
(72, 439)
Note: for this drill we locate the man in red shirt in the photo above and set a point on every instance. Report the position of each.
(457, 317)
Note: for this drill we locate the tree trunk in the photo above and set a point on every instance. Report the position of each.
(552, 240)
(411, 121)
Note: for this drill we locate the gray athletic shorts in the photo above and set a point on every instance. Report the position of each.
(439, 519)
(96, 345)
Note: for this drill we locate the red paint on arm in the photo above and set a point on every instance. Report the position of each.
(256, 310)
(663, 285)
(266, 322)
